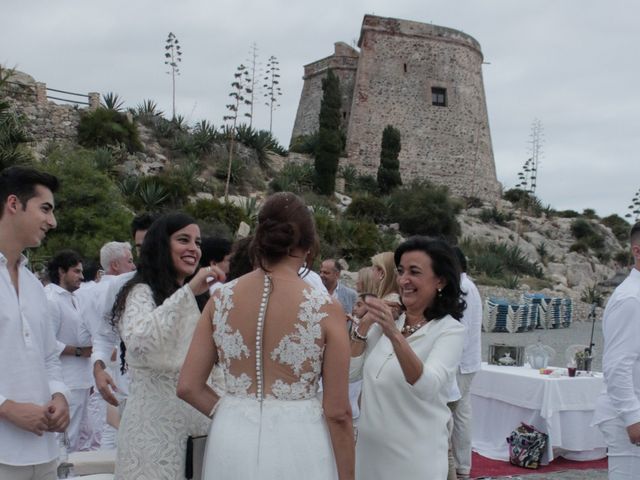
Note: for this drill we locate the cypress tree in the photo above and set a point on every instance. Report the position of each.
(389, 169)
(329, 144)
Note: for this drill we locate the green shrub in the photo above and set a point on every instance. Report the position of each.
(567, 214)
(618, 226)
(623, 258)
(293, 177)
(90, 209)
(104, 127)
(304, 144)
(214, 211)
(584, 231)
(592, 294)
(389, 170)
(238, 170)
(422, 208)
(579, 247)
(499, 260)
(590, 213)
(366, 184)
(493, 215)
(368, 207)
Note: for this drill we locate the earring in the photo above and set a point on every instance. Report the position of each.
(439, 292)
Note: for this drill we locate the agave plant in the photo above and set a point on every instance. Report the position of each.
(152, 193)
(112, 101)
(128, 186)
(148, 108)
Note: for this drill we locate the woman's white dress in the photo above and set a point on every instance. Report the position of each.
(270, 425)
(153, 432)
(402, 430)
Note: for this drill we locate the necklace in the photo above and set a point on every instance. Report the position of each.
(411, 329)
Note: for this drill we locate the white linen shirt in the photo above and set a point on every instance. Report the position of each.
(30, 363)
(472, 320)
(105, 336)
(70, 329)
(621, 357)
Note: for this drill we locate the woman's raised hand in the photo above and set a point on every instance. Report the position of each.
(204, 277)
(379, 312)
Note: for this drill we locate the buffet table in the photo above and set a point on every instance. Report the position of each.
(561, 407)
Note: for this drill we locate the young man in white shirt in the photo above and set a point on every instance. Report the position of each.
(74, 342)
(617, 412)
(32, 394)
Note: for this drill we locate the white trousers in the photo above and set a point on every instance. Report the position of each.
(42, 471)
(624, 456)
(461, 434)
(79, 429)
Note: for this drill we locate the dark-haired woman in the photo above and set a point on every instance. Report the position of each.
(274, 336)
(156, 313)
(407, 366)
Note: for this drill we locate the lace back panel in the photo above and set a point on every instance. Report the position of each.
(269, 336)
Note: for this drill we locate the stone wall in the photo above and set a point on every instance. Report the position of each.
(343, 63)
(398, 65)
(46, 121)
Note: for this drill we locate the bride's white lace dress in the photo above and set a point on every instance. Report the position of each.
(269, 424)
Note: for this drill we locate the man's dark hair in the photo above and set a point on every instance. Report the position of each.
(22, 182)
(142, 222)
(64, 259)
(214, 249)
(634, 234)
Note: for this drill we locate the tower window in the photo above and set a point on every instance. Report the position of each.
(439, 96)
(405, 68)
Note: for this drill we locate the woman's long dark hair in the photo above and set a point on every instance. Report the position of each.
(155, 266)
(445, 265)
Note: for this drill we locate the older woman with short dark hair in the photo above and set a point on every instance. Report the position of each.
(407, 366)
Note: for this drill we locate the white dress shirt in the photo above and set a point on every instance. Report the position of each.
(105, 336)
(472, 320)
(621, 357)
(30, 363)
(70, 329)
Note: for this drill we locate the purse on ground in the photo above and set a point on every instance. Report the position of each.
(526, 446)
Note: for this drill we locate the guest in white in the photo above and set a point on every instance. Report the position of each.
(105, 337)
(32, 393)
(74, 342)
(330, 274)
(469, 365)
(618, 407)
(407, 366)
(96, 302)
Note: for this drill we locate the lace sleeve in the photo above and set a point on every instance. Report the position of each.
(146, 327)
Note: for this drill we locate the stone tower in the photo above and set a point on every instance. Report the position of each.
(427, 82)
(344, 63)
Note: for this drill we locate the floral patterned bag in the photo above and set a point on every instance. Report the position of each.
(526, 446)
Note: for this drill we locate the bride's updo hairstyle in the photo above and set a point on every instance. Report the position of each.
(284, 224)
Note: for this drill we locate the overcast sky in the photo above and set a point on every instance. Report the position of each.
(572, 64)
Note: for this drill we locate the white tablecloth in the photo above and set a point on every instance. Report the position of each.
(502, 397)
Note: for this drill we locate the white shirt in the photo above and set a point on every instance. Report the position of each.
(30, 363)
(313, 279)
(472, 320)
(105, 336)
(621, 357)
(70, 329)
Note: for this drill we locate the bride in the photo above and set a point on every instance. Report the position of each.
(274, 337)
